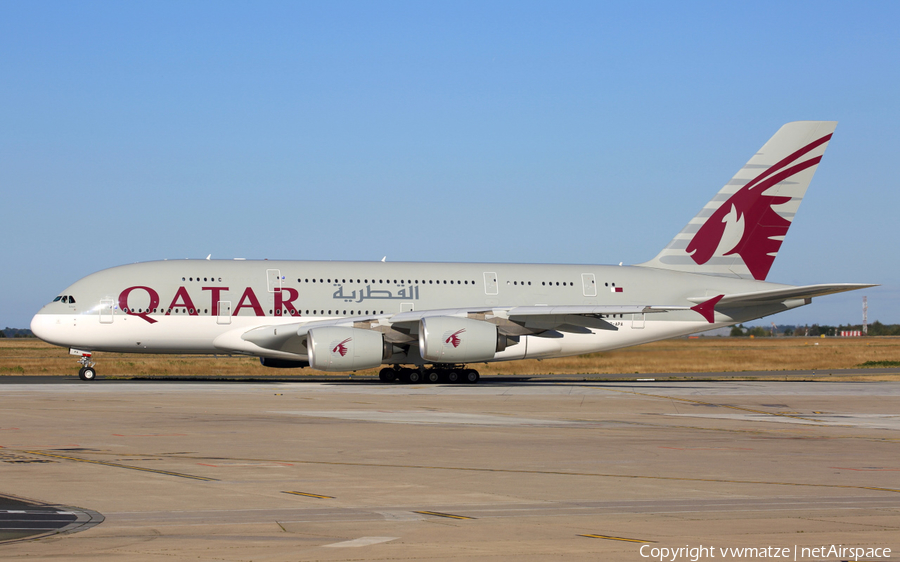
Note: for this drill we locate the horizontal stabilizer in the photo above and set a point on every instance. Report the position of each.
(780, 295)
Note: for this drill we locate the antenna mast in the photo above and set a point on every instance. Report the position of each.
(865, 330)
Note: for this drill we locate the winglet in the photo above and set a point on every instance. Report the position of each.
(707, 309)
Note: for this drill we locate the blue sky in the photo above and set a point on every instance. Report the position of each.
(484, 131)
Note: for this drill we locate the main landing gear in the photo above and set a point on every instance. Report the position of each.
(86, 372)
(435, 374)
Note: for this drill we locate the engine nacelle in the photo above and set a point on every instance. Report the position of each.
(346, 349)
(447, 339)
(282, 363)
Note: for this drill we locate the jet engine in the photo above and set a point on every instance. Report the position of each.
(447, 339)
(346, 349)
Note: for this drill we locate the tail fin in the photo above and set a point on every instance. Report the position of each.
(739, 232)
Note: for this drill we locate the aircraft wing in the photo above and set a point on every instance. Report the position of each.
(402, 327)
(516, 320)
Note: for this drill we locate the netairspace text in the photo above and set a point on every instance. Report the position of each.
(696, 553)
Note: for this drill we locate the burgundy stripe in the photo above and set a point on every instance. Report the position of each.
(788, 159)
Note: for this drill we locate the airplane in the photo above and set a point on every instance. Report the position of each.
(431, 321)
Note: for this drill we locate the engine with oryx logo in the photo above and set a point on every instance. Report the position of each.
(346, 349)
(448, 339)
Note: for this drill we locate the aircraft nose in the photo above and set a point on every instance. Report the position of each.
(42, 326)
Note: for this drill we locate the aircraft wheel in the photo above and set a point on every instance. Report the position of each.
(415, 377)
(433, 376)
(471, 376)
(387, 375)
(453, 376)
(87, 374)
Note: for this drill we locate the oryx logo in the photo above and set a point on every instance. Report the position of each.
(746, 224)
(453, 339)
(341, 348)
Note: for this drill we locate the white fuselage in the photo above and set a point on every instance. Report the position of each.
(201, 306)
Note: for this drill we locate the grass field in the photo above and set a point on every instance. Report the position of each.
(34, 357)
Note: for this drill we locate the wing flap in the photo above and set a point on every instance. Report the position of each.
(604, 310)
(576, 318)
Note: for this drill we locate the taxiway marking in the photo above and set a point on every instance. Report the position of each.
(362, 541)
(613, 538)
(439, 514)
(309, 495)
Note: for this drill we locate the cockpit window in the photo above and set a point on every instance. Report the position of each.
(65, 298)
(57, 298)
(71, 299)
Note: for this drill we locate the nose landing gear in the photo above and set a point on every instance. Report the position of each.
(86, 372)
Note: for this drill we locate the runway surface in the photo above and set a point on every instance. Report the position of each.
(503, 470)
(890, 373)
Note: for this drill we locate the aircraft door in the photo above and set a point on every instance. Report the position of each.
(224, 312)
(106, 311)
(589, 284)
(273, 280)
(491, 286)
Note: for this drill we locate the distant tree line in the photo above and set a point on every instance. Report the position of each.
(16, 333)
(815, 330)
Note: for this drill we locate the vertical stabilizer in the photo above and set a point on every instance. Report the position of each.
(739, 232)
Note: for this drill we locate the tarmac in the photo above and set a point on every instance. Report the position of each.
(508, 469)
